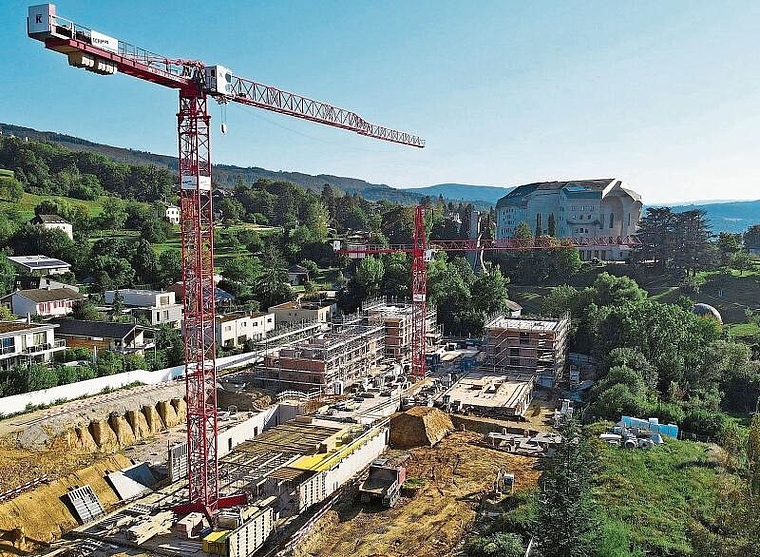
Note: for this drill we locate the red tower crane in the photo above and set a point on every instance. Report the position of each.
(196, 82)
(422, 252)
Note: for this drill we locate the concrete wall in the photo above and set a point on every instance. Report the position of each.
(356, 461)
(246, 430)
(18, 403)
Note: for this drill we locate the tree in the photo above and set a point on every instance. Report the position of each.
(11, 189)
(169, 268)
(7, 275)
(242, 269)
(489, 292)
(552, 226)
(567, 524)
(523, 231)
(655, 235)
(693, 250)
(85, 310)
(752, 237)
(539, 228)
(369, 275)
(728, 246)
(742, 261)
(113, 216)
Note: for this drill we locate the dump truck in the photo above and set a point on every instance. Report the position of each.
(383, 485)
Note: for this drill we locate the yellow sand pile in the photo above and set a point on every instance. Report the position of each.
(421, 426)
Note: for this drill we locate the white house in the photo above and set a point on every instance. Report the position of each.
(54, 222)
(46, 302)
(158, 307)
(39, 265)
(233, 329)
(23, 342)
(172, 214)
(601, 216)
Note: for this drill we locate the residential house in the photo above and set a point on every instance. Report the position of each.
(127, 338)
(45, 302)
(23, 342)
(172, 214)
(298, 311)
(28, 282)
(298, 275)
(224, 299)
(54, 222)
(158, 307)
(234, 329)
(599, 215)
(39, 265)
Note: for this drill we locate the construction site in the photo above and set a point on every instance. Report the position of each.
(356, 434)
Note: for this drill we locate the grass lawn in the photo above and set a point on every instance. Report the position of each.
(29, 201)
(656, 494)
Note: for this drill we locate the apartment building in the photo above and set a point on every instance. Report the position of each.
(396, 320)
(299, 311)
(158, 307)
(601, 215)
(22, 342)
(234, 329)
(527, 347)
(345, 353)
(45, 302)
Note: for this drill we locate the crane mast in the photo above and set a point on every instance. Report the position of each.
(99, 53)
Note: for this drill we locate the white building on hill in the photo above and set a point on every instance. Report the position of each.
(601, 215)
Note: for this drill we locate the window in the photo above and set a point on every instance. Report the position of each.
(39, 338)
(514, 351)
(612, 219)
(166, 315)
(164, 301)
(158, 316)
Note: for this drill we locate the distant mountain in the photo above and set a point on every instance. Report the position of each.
(731, 216)
(485, 194)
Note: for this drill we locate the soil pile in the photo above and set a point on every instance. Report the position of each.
(421, 426)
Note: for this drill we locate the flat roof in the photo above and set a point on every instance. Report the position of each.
(492, 390)
(38, 261)
(523, 323)
(7, 328)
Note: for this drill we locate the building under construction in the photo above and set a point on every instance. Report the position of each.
(326, 360)
(526, 348)
(396, 319)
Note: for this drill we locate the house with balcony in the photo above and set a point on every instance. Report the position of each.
(234, 329)
(125, 338)
(22, 342)
(299, 311)
(156, 306)
(45, 302)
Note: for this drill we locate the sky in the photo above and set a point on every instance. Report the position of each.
(663, 95)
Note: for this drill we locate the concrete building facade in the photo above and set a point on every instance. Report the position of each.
(158, 307)
(601, 215)
(234, 329)
(525, 348)
(299, 311)
(22, 342)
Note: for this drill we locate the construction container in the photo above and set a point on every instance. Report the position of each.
(216, 542)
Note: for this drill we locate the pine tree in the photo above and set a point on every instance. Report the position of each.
(552, 226)
(567, 524)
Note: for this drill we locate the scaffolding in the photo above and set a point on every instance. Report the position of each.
(344, 353)
(525, 348)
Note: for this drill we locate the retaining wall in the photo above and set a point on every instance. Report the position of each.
(18, 403)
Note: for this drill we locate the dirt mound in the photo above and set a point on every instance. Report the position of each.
(421, 426)
(43, 515)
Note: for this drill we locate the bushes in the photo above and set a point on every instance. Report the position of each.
(496, 545)
(702, 421)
